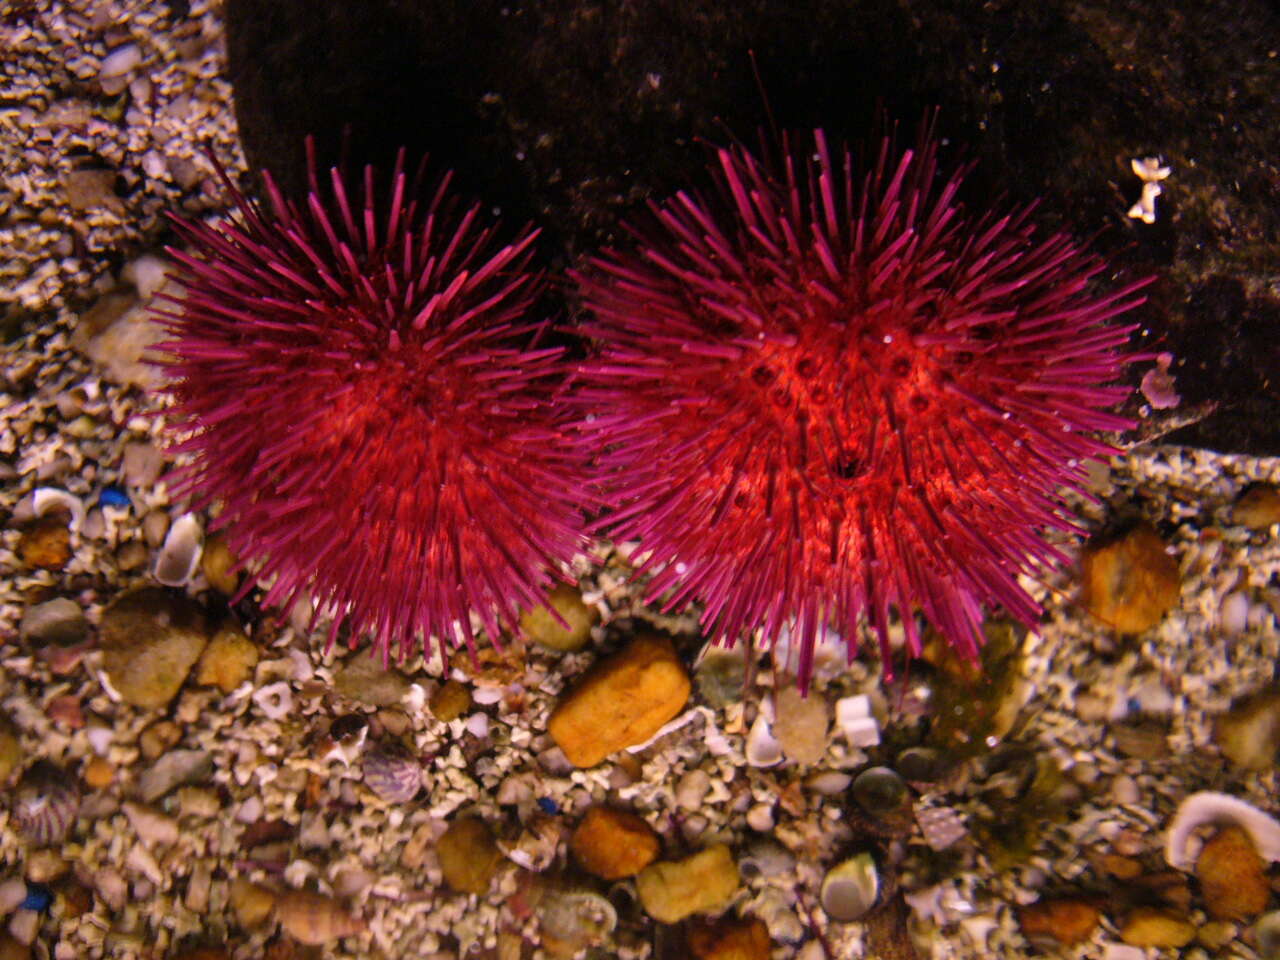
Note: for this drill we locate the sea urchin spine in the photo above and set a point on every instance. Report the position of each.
(824, 398)
(365, 396)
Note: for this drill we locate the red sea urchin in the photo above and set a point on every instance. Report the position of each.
(366, 398)
(823, 397)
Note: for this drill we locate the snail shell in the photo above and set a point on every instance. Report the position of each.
(393, 773)
(46, 803)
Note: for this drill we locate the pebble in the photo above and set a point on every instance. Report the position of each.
(362, 678)
(45, 544)
(1065, 920)
(159, 738)
(24, 925)
(612, 844)
(1258, 507)
(450, 700)
(622, 700)
(1233, 878)
(10, 750)
(229, 659)
(132, 555)
(58, 622)
(469, 855)
(150, 639)
(314, 919)
(731, 938)
(90, 187)
(692, 789)
(142, 464)
(1248, 733)
(800, 725)
(153, 828)
(12, 892)
(541, 626)
(99, 773)
(175, 768)
(1129, 582)
(672, 890)
(251, 902)
(218, 562)
(155, 527)
(1154, 927)
(120, 61)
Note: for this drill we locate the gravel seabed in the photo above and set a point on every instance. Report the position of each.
(98, 143)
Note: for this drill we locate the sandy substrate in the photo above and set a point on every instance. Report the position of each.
(111, 110)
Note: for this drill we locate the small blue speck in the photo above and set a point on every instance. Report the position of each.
(1134, 705)
(547, 805)
(113, 497)
(38, 897)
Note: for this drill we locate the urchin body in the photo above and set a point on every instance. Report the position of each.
(827, 401)
(366, 400)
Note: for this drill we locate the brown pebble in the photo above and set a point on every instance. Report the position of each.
(46, 543)
(1123, 868)
(1129, 581)
(541, 626)
(314, 919)
(1248, 734)
(1258, 507)
(159, 738)
(251, 902)
(46, 866)
(12, 948)
(1065, 920)
(705, 882)
(730, 938)
(1153, 927)
(469, 856)
(612, 844)
(1233, 878)
(228, 660)
(98, 773)
(621, 701)
(132, 555)
(65, 711)
(450, 700)
(217, 562)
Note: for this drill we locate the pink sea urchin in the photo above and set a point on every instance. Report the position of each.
(826, 399)
(366, 398)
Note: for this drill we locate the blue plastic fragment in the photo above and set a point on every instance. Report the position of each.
(38, 897)
(113, 497)
(547, 805)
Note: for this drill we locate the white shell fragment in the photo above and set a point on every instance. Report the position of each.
(850, 888)
(763, 750)
(44, 499)
(1208, 807)
(180, 554)
(855, 718)
(275, 700)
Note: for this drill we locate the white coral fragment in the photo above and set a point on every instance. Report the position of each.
(1150, 171)
(1207, 807)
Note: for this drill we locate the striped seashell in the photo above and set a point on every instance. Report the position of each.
(392, 772)
(45, 803)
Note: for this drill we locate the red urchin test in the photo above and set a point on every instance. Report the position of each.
(827, 398)
(360, 386)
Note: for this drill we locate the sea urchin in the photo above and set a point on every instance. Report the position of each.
(826, 398)
(366, 398)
